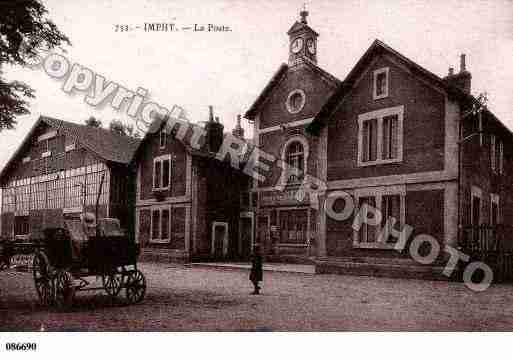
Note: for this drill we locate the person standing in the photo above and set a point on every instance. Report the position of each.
(256, 274)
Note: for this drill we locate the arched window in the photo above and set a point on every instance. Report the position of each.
(295, 158)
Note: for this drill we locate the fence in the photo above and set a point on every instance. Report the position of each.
(492, 245)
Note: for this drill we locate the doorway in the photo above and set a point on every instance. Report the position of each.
(245, 236)
(219, 240)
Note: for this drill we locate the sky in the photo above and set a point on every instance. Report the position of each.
(228, 70)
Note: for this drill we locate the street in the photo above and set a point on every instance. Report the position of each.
(181, 298)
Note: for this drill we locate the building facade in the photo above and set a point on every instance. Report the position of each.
(56, 174)
(187, 202)
(393, 136)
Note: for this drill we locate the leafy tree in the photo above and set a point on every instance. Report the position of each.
(118, 127)
(24, 31)
(93, 122)
(132, 132)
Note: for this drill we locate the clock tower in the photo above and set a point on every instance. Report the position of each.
(303, 41)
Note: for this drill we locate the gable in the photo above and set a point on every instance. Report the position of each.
(316, 86)
(377, 50)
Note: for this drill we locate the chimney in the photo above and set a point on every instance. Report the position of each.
(462, 79)
(214, 132)
(238, 131)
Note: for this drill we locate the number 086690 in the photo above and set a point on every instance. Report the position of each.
(21, 346)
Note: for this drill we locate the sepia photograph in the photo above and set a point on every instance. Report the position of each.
(257, 168)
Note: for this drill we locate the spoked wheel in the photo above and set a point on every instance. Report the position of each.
(112, 283)
(42, 278)
(64, 290)
(135, 287)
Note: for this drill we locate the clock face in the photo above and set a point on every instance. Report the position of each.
(310, 44)
(297, 45)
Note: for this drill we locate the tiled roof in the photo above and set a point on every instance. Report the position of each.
(106, 144)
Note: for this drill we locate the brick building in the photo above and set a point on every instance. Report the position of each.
(56, 173)
(392, 135)
(187, 202)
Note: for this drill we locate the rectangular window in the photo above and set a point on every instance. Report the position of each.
(493, 152)
(160, 225)
(155, 225)
(390, 201)
(494, 210)
(380, 83)
(390, 137)
(21, 225)
(391, 211)
(162, 172)
(163, 139)
(165, 173)
(157, 174)
(501, 157)
(367, 233)
(380, 136)
(293, 226)
(165, 224)
(370, 140)
(475, 211)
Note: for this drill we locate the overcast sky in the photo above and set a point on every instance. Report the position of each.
(229, 69)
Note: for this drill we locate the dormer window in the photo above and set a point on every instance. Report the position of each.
(380, 83)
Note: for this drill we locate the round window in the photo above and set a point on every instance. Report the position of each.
(295, 101)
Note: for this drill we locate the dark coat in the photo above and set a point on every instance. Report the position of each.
(256, 274)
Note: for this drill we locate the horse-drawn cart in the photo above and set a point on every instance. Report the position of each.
(66, 256)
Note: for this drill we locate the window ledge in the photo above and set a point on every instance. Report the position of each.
(379, 97)
(160, 189)
(379, 162)
(46, 154)
(160, 241)
(292, 245)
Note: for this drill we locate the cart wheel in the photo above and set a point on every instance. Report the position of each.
(135, 287)
(112, 283)
(64, 290)
(42, 278)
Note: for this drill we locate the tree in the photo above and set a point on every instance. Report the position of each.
(118, 127)
(93, 122)
(132, 132)
(24, 31)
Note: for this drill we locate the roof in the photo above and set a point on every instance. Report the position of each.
(109, 146)
(379, 47)
(275, 80)
(299, 26)
(202, 152)
(105, 144)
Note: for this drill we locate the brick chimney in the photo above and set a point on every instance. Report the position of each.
(214, 129)
(462, 79)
